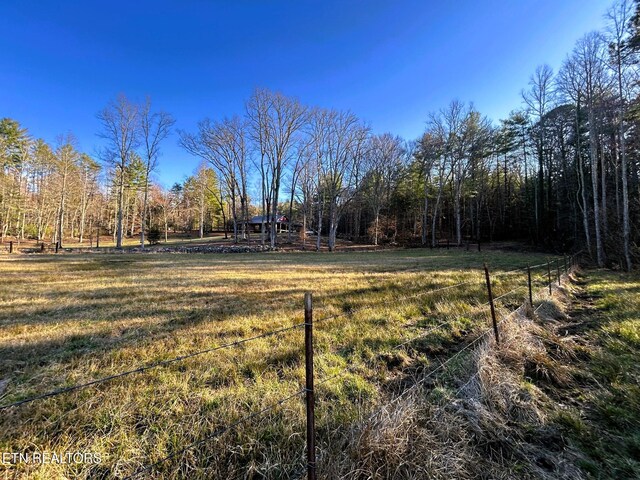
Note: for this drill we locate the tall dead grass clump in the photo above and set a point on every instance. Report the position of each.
(486, 419)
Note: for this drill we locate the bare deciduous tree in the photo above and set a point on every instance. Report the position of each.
(275, 121)
(154, 128)
(539, 98)
(65, 161)
(223, 145)
(383, 159)
(120, 122)
(619, 18)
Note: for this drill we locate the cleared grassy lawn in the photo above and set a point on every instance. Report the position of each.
(68, 319)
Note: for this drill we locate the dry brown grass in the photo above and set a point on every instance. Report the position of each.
(70, 319)
(484, 417)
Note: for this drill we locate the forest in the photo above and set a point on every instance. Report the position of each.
(561, 172)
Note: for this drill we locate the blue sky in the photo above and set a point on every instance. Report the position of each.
(390, 62)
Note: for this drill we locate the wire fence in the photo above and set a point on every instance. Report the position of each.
(542, 278)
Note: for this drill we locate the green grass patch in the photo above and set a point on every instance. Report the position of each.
(607, 431)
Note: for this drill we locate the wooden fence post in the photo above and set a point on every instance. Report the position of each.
(529, 283)
(558, 269)
(10, 247)
(565, 265)
(98, 238)
(57, 246)
(42, 247)
(493, 309)
(308, 348)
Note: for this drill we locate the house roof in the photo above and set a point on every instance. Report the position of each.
(258, 219)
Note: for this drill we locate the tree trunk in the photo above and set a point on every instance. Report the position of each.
(458, 215)
(143, 221)
(594, 184)
(319, 232)
(119, 209)
(623, 161)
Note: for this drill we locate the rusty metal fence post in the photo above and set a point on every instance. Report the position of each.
(308, 349)
(529, 284)
(493, 308)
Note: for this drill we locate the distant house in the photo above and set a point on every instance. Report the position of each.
(281, 221)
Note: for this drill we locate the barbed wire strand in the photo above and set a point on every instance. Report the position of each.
(442, 365)
(217, 433)
(144, 368)
(466, 384)
(422, 334)
(429, 292)
(499, 297)
(427, 376)
(401, 299)
(520, 269)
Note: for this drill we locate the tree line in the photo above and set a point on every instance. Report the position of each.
(57, 193)
(561, 171)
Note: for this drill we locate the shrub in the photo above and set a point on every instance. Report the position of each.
(153, 235)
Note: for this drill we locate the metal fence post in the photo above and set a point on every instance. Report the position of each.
(549, 272)
(308, 348)
(529, 284)
(493, 309)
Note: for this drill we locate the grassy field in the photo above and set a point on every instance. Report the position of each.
(107, 241)
(600, 415)
(69, 319)
(182, 240)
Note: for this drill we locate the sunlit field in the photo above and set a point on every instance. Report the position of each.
(108, 241)
(188, 240)
(69, 319)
